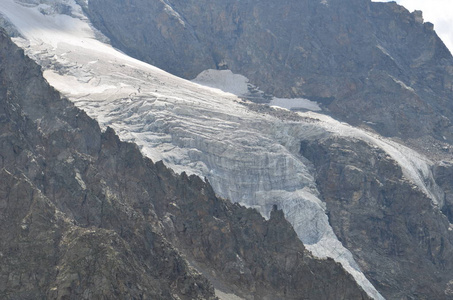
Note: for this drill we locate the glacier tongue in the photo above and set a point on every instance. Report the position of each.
(249, 156)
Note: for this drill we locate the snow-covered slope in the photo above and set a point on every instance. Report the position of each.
(248, 156)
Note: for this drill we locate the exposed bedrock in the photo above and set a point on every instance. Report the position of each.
(370, 64)
(86, 216)
(395, 232)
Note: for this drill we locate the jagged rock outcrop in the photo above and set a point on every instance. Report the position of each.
(98, 183)
(370, 64)
(61, 222)
(396, 233)
(443, 173)
(245, 250)
(86, 216)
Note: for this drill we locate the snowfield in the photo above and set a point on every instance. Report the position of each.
(249, 157)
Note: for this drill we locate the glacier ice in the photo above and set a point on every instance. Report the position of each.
(248, 156)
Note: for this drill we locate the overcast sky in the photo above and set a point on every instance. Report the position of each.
(438, 12)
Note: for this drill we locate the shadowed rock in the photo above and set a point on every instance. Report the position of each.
(370, 64)
(86, 216)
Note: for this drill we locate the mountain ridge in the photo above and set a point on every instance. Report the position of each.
(85, 212)
(256, 155)
(369, 63)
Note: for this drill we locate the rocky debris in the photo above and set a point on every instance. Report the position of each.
(281, 114)
(435, 149)
(255, 95)
(395, 233)
(364, 61)
(86, 216)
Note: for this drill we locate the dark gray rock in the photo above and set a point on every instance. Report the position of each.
(61, 230)
(261, 260)
(443, 173)
(86, 216)
(370, 64)
(401, 241)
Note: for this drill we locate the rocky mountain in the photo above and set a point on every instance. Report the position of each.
(86, 216)
(370, 64)
(372, 206)
(376, 206)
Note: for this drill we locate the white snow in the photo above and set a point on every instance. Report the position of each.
(402, 84)
(416, 167)
(248, 157)
(295, 103)
(79, 179)
(170, 11)
(223, 80)
(236, 84)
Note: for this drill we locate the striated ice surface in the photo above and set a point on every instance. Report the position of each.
(249, 157)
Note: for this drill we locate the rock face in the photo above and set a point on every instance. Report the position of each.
(85, 216)
(384, 203)
(65, 233)
(443, 172)
(372, 64)
(203, 131)
(386, 221)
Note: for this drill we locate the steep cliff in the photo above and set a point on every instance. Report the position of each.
(362, 199)
(86, 216)
(370, 64)
(393, 229)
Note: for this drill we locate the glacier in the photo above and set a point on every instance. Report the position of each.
(249, 156)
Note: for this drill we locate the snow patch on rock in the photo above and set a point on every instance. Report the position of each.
(224, 80)
(249, 157)
(295, 104)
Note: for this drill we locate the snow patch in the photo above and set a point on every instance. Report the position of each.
(383, 50)
(170, 11)
(224, 80)
(295, 104)
(79, 179)
(415, 166)
(402, 84)
(248, 157)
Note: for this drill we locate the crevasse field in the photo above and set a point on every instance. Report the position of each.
(248, 156)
